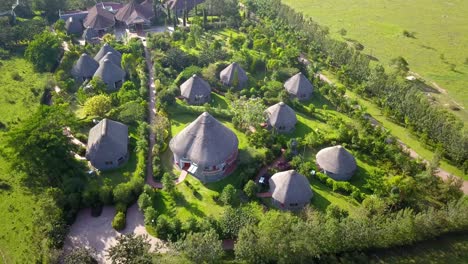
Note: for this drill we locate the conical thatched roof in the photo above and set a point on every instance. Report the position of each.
(183, 4)
(134, 13)
(99, 18)
(107, 141)
(90, 35)
(205, 141)
(290, 187)
(299, 86)
(106, 48)
(114, 58)
(74, 26)
(109, 72)
(230, 73)
(85, 67)
(281, 117)
(337, 162)
(195, 87)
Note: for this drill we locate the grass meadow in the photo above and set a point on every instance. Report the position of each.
(20, 92)
(438, 51)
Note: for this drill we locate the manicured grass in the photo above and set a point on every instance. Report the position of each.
(324, 196)
(439, 41)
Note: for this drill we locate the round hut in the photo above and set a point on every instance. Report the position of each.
(337, 163)
(110, 74)
(206, 149)
(290, 190)
(281, 118)
(84, 68)
(196, 91)
(107, 145)
(234, 75)
(106, 48)
(114, 58)
(136, 14)
(299, 87)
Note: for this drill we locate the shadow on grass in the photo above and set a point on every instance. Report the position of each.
(181, 201)
(318, 201)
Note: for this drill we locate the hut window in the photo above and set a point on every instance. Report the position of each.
(108, 162)
(214, 167)
(121, 160)
(293, 204)
(207, 168)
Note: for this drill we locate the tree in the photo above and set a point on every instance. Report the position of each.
(144, 201)
(248, 112)
(42, 150)
(229, 195)
(119, 221)
(202, 247)
(151, 216)
(130, 249)
(400, 64)
(129, 63)
(44, 51)
(80, 256)
(168, 183)
(233, 219)
(250, 189)
(98, 105)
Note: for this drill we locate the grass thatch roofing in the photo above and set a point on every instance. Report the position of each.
(281, 115)
(108, 140)
(106, 48)
(205, 141)
(109, 72)
(99, 18)
(85, 67)
(337, 161)
(230, 73)
(133, 13)
(195, 86)
(290, 187)
(298, 84)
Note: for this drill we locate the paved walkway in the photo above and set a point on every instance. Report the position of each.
(97, 232)
(439, 172)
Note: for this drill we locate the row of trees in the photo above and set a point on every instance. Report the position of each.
(400, 99)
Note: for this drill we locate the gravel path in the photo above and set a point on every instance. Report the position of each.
(97, 232)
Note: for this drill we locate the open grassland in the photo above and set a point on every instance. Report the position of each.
(437, 52)
(20, 91)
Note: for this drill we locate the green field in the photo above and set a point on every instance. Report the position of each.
(437, 52)
(18, 207)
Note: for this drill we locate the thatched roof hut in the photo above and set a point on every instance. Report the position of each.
(337, 163)
(91, 36)
(99, 18)
(205, 148)
(135, 13)
(74, 26)
(233, 75)
(85, 67)
(107, 145)
(290, 190)
(110, 74)
(299, 86)
(196, 91)
(114, 58)
(106, 48)
(281, 117)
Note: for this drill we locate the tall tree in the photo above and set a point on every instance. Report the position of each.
(130, 249)
(44, 51)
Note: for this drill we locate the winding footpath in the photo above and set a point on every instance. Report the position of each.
(413, 154)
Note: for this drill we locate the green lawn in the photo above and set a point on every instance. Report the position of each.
(440, 36)
(18, 207)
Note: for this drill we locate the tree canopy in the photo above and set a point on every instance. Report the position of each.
(44, 51)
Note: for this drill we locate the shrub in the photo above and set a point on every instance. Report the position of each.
(229, 195)
(163, 227)
(123, 194)
(151, 216)
(105, 194)
(119, 221)
(120, 207)
(250, 189)
(144, 201)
